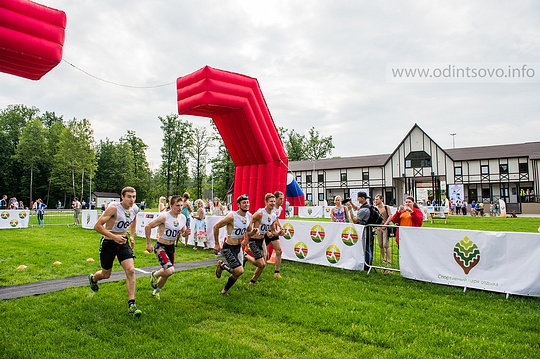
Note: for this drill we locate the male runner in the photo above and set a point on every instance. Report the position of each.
(112, 225)
(237, 226)
(171, 226)
(274, 240)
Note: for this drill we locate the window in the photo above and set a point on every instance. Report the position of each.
(418, 159)
(503, 168)
(486, 193)
(309, 197)
(321, 196)
(308, 179)
(484, 169)
(344, 176)
(320, 177)
(457, 171)
(523, 168)
(365, 176)
(299, 179)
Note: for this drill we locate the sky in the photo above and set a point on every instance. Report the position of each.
(322, 64)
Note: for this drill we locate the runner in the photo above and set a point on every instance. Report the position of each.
(237, 224)
(171, 225)
(112, 225)
(274, 240)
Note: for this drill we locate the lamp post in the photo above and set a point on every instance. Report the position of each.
(453, 139)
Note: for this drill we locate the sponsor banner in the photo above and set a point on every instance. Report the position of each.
(311, 212)
(89, 218)
(329, 244)
(143, 218)
(327, 210)
(505, 262)
(14, 218)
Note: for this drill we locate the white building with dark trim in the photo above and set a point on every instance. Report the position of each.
(420, 167)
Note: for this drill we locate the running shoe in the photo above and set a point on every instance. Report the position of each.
(133, 310)
(156, 295)
(219, 269)
(93, 285)
(153, 280)
(277, 275)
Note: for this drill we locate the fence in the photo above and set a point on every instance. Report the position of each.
(56, 217)
(374, 254)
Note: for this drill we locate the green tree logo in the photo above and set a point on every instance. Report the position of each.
(466, 254)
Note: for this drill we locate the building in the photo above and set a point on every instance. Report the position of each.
(421, 168)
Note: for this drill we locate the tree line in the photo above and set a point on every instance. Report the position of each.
(45, 156)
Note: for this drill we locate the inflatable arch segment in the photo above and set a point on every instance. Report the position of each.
(239, 111)
(31, 38)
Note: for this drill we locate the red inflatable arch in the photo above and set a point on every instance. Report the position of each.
(31, 38)
(237, 106)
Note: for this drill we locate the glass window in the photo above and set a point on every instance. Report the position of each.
(344, 176)
(523, 168)
(321, 196)
(365, 176)
(308, 179)
(320, 177)
(503, 168)
(418, 159)
(457, 171)
(309, 197)
(486, 193)
(298, 178)
(484, 169)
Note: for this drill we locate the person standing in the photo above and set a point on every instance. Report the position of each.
(4, 202)
(186, 211)
(383, 232)
(408, 215)
(199, 226)
(171, 225)
(113, 225)
(217, 208)
(237, 224)
(362, 217)
(76, 205)
(40, 212)
(162, 206)
(339, 213)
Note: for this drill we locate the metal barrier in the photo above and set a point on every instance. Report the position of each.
(373, 258)
(55, 217)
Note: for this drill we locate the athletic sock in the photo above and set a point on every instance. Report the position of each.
(252, 281)
(131, 301)
(276, 271)
(230, 283)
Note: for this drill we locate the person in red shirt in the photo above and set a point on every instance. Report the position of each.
(408, 215)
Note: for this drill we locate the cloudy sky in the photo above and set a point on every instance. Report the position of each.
(325, 64)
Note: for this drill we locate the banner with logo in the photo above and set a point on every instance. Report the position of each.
(311, 212)
(327, 210)
(143, 218)
(14, 218)
(89, 218)
(329, 243)
(505, 262)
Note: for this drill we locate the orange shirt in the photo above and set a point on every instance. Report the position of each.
(405, 219)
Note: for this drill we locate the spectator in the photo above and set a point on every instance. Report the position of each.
(76, 205)
(383, 232)
(464, 207)
(3, 202)
(59, 205)
(199, 226)
(143, 205)
(217, 208)
(339, 213)
(162, 206)
(40, 211)
(408, 215)
(93, 204)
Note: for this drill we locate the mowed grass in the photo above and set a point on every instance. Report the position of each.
(312, 312)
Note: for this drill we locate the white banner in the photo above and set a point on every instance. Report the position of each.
(329, 244)
(311, 212)
(327, 210)
(143, 218)
(504, 262)
(14, 218)
(89, 218)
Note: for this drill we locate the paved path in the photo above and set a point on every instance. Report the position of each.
(47, 286)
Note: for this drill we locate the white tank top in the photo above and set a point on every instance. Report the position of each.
(266, 221)
(240, 225)
(124, 218)
(173, 226)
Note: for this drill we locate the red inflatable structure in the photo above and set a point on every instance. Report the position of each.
(237, 106)
(31, 38)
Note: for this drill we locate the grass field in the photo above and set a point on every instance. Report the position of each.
(312, 312)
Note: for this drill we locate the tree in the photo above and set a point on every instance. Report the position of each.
(32, 149)
(301, 148)
(177, 139)
(141, 169)
(199, 152)
(116, 167)
(222, 168)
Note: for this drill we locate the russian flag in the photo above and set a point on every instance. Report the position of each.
(295, 196)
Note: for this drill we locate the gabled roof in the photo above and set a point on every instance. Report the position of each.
(340, 162)
(528, 149)
(409, 133)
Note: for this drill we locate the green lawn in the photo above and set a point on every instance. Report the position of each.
(312, 312)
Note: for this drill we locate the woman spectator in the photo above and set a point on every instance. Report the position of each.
(217, 208)
(162, 206)
(408, 215)
(339, 213)
(199, 227)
